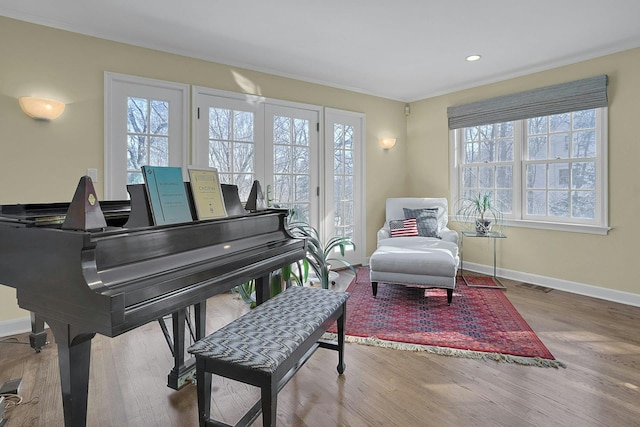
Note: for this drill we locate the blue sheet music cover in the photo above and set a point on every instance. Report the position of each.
(167, 195)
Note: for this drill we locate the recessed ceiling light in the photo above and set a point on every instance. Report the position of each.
(472, 58)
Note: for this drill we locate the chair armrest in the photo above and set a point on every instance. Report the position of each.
(448, 235)
(383, 233)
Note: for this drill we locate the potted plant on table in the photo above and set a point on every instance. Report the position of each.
(480, 211)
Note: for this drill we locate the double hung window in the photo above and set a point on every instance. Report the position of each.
(540, 170)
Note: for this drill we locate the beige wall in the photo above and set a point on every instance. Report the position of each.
(42, 162)
(603, 261)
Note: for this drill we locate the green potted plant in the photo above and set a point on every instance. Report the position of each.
(318, 258)
(319, 255)
(480, 211)
(280, 280)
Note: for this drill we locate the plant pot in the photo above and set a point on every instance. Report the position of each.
(483, 227)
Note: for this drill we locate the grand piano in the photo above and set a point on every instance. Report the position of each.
(129, 273)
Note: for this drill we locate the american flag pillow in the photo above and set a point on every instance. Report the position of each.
(403, 227)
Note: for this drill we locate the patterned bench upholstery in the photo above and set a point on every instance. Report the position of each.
(266, 346)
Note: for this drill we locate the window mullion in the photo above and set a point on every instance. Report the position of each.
(518, 167)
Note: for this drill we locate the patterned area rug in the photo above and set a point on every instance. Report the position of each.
(479, 323)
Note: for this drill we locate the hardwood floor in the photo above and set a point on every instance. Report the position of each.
(599, 342)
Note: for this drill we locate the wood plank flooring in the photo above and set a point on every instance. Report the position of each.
(599, 341)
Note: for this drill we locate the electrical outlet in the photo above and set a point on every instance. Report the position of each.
(93, 174)
(11, 387)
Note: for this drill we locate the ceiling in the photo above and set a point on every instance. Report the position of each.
(404, 50)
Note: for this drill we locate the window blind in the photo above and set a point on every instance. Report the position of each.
(561, 98)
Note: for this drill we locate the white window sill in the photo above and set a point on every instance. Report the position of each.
(554, 226)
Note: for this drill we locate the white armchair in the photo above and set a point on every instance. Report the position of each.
(395, 210)
(428, 260)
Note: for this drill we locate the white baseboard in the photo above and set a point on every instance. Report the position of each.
(613, 295)
(15, 326)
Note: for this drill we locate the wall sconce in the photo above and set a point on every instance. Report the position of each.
(40, 108)
(387, 143)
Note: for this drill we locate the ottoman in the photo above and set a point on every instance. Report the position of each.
(429, 263)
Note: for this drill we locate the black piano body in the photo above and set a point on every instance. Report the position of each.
(114, 280)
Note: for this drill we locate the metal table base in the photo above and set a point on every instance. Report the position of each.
(491, 235)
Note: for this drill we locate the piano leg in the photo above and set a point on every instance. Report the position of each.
(74, 357)
(263, 289)
(37, 337)
(182, 371)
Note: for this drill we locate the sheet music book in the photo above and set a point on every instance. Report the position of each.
(167, 194)
(207, 193)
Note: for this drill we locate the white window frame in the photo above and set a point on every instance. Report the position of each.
(600, 225)
(117, 87)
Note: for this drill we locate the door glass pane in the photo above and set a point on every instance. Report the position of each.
(243, 126)
(147, 135)
(302, 188)
(232, 146)
(300, 160)
(301, 136)
(291, 164)
(281, 159)
(281, 130)
(220, 156)
(242, 157)
(343, 197)
(159, 151)
(137, 115)
(283, 189)
(159, 118)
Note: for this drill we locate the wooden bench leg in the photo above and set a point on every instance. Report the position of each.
(269, 397)
(203, 387)
(340, 323)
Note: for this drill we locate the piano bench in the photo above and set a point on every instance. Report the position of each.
(267, 346)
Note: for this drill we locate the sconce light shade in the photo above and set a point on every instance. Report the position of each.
(387, 143)
(40, 108)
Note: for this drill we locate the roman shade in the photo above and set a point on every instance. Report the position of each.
(572, 96)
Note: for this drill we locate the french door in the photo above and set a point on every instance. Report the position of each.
(344, 180)
(248, 139)
(291, 161)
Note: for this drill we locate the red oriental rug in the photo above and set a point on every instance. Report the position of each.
(480, 323)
